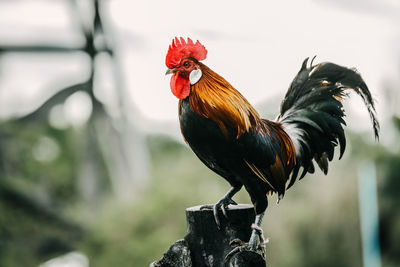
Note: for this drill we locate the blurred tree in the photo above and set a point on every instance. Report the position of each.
(389, 188)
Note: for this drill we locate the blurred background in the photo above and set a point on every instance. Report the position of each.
(94, 172)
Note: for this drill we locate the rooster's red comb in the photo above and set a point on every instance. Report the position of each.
(180, 48)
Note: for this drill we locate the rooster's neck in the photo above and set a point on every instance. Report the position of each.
(216, 99)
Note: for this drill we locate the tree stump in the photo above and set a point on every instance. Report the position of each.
(206, 245)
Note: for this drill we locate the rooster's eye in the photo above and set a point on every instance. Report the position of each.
(186, 64)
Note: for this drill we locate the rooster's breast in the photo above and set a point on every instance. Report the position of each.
(201, 133)
(216, 150)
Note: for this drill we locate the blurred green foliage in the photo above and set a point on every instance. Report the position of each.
(32, 194)
(20, 143)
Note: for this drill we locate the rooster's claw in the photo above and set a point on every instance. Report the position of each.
(243, 246)
(223, 204)
(237, 242)
(249, 246)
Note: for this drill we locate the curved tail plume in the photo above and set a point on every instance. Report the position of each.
(312, 113)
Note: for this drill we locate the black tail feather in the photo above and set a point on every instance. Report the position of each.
(312, 113)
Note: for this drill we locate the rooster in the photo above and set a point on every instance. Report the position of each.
(265, 156)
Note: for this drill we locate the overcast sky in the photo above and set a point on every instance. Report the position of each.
(258, 46)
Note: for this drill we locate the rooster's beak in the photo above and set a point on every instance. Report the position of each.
(170, 71)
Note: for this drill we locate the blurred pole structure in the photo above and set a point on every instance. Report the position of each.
(367, 192)
(132, 141)
(121, 144)
(108, 140)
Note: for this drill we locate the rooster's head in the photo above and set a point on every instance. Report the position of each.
(183, 62)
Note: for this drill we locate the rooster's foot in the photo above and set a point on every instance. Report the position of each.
(251, 245)
(222, 204)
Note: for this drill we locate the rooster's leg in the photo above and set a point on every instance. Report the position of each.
(257, 232)
(223, 203)
(252, 244)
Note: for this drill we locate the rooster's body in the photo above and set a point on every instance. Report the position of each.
(232, 140)
(264, 156)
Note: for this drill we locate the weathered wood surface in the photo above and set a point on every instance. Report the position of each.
(206, 245)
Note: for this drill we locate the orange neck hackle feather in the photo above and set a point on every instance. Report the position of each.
(216, 99)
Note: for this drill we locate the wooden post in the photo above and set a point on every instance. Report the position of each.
(206, 245)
